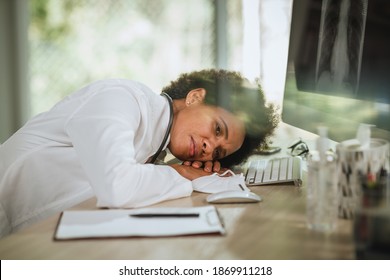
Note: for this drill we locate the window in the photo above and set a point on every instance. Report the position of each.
(75, 42)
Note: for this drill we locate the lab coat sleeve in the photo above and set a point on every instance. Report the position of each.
(102, 132)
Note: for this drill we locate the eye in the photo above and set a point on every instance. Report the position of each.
(218, 129)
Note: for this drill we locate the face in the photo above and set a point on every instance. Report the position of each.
(203, 132)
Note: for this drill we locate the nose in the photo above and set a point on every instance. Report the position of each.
(209, 145)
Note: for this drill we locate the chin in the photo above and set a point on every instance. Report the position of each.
(179, 152)
(178, 155)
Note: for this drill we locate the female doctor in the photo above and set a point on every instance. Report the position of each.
(99, 141)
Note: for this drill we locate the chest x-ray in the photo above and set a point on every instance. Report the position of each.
(340, 47)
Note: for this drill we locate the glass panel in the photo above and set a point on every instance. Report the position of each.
(75, 42)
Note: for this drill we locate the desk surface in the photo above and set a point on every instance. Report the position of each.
(272, 229)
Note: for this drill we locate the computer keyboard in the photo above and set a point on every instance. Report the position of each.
(274, 171)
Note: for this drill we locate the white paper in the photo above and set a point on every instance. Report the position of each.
(119, 223)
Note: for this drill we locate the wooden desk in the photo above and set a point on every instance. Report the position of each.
(272, 229)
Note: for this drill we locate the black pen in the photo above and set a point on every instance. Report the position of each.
(162, 215)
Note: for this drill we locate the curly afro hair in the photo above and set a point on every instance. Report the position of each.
(231, 91)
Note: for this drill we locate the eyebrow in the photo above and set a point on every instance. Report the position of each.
(225, 128)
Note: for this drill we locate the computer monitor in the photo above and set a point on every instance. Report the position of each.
(338, 72)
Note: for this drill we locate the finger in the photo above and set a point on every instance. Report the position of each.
(208, 166)
(187, 162)
(216, 166)
(197, 164)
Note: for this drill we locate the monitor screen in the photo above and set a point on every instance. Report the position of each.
(338, 72)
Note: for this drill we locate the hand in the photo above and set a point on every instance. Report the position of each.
(208, 166)
(189, 172)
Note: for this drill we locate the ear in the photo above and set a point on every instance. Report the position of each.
(195, 96)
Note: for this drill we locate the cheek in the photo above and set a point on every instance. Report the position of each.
(192, 121)
(178, 135)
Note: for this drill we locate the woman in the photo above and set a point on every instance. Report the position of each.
(96, 143)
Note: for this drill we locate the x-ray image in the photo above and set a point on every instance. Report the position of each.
(340, 45)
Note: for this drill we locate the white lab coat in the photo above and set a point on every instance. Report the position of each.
(94, 142)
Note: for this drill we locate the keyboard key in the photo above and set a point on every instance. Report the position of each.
(267, 172)
(283, 169)
(259, 176)
(275, 170)
(290, 169)
(250, 175)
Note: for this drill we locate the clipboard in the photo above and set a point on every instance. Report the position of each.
(145, 222)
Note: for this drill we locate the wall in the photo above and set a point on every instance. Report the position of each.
(14, 97)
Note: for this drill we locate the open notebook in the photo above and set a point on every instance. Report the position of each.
(149, 222)
(274, 171)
